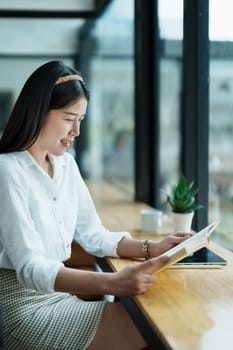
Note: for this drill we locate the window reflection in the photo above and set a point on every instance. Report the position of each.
(110, 154)
(221, 126)
(171, 34)
(221, 148)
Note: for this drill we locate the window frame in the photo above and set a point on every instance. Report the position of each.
(194, 102)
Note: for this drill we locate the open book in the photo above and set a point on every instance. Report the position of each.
(188, 247)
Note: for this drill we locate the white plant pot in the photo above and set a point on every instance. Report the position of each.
(182, 221)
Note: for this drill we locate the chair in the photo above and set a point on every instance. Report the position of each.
(1, 325)
(80, 259)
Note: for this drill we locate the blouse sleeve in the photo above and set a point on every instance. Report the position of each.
(90, 233)
(21, 247)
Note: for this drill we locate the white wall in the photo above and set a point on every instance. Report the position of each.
(24, 43)
(14, 72)
(48, 4)
(39, 36)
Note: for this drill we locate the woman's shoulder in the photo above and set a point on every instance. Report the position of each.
(15, 158)
(7, 159)
(10, 167)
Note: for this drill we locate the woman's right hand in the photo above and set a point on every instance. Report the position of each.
(135, 278)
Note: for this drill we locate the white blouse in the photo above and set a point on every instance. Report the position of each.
(40, 216)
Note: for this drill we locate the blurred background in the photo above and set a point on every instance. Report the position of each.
(140, 118)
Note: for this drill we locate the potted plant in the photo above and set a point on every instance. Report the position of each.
(181, 198)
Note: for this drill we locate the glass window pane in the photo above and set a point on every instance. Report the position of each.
(110, 154)
(171, 35)
(221, 125)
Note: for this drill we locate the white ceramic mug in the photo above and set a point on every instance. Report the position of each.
(151, 220)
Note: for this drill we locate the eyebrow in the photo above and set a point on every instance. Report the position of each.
(75, 114)
(71, 113)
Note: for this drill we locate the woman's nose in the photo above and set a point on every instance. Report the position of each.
(75, 131)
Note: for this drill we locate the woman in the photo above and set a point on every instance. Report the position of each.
(44, 206)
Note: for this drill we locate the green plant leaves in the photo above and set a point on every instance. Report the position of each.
(182, 197)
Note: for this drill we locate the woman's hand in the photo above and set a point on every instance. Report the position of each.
(158, 248)
(135, 278)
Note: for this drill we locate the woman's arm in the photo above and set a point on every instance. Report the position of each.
(134, 279)
(132, 248)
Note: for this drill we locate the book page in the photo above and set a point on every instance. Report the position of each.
(189, 246)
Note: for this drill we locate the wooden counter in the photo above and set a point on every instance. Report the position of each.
(186, 309)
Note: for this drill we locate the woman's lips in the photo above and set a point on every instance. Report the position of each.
(66, 143)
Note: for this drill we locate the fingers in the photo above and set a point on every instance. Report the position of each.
(140, 274)
(152, 265)
(180, 237)
(183, 234)
(144, 285)
(147, 282)
(149, 279)
(144, 281)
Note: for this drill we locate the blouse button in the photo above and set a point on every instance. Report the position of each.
(67, 246)
(54, 198)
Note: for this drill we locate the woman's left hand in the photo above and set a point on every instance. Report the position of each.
(158, 248)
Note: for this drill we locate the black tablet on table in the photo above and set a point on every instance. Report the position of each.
(203, 257)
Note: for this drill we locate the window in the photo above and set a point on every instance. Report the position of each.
(170, 76)
(221, 116)
(110, 154)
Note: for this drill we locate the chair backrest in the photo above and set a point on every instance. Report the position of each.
(1, 325)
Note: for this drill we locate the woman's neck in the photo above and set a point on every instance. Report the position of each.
(42, 158)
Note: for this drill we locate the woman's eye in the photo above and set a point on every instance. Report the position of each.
(69, 120)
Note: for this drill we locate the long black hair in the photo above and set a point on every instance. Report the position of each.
(38, 96)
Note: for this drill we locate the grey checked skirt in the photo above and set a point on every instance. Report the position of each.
(36, 321)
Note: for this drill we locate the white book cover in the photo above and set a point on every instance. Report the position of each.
(189, 246)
